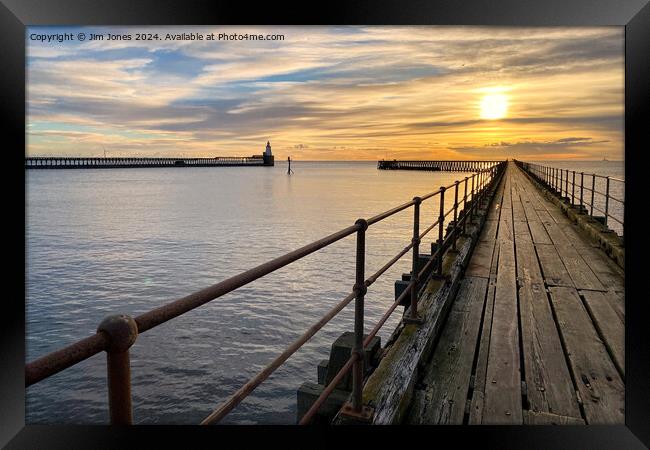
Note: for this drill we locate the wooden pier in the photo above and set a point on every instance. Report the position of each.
(448, 166)
(535, 334)
(129, 163)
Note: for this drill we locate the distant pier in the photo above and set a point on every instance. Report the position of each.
(53, 162)
(447, 166)
(125, 163)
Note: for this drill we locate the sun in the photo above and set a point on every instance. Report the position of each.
(494, 106)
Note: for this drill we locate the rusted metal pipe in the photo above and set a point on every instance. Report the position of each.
(455, 215)
(122, 332)
(247, 388)
(360, 289)
(174, 309)
(416, 256)
(606, 200)
(441, 225)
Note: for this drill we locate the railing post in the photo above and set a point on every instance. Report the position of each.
(465, 206)
(441, 225)
(361, 289)
(455, 214)
(573, 189)
(415, 279)
(122, 332)
(607, 200)
(471, 215)
(593, 188)
(582, 180)
(566, 183)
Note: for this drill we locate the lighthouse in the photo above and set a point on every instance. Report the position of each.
(268, 156)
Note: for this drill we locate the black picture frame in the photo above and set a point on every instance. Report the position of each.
(15, 15)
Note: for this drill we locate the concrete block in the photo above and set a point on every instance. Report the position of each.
(340, 353)
(322, 370)
(309, 392)
(400, 286)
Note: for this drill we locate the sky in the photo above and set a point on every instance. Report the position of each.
(330, 93)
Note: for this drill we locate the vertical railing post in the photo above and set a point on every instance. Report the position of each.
(415, 279)
(455, 214)
(360, 289)
(441, 225)
(573, 189)
(122, 332)
(606, 200)
(582, 182)
(471, 214)
(593, 189)
(566, 183)
(465, 206)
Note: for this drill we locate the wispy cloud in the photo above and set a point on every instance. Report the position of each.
(330, 93)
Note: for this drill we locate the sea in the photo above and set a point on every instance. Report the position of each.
(123, 241)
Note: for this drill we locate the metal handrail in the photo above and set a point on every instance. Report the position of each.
(116, 334)
(557, 180)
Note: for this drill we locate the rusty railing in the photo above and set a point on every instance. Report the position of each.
(116, 334)
(571, 186)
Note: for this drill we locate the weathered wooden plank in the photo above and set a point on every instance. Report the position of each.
(609, 324)
(518, 211)
(522, 234)
(447, 375)
(545, 217)
(607, 271)
(538, 232)
(478, 395)
(528, 269)
(543, 418)
(503, 384)
(506, 230)
(600, 386)
(548, 381)
(481, 261)
(480, 374)
(581, 274)
(489, 231)
(555, 274)
(390, 387)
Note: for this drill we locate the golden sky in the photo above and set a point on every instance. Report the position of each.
(331, 93)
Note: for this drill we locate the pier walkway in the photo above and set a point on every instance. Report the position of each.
(536, 332)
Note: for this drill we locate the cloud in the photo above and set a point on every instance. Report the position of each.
(348, 92)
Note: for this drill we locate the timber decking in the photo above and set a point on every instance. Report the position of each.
(536, 332)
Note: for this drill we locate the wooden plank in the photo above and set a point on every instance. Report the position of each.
(522, 233)
(539, 234)
(609, 324)
(601, 389)
(545, 217)
(506, 230)
(543, 418)
(518, 210)
(607, 271)
(528, 269)
(489, 231)
(447, 376)
(548, 381)
(478, 396)
(503, 383)
(581, 274)
(481, 261)
(555, 274)
(480, 374)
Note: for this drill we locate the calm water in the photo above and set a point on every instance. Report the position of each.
(103, 242)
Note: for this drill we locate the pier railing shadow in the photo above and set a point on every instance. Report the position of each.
(579, 190)
(116, 334)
